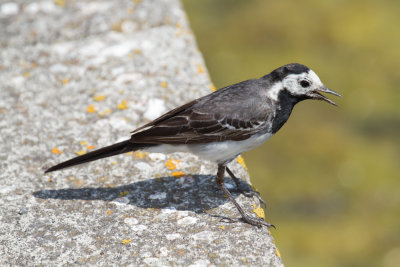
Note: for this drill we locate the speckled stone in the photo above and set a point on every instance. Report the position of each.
(79, 74)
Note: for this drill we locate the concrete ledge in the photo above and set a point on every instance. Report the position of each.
(80, 74)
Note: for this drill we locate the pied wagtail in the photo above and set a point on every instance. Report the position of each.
(221, 125)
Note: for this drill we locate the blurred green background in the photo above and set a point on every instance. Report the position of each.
(331, 176)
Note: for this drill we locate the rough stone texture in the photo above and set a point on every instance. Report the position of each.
(77, 74)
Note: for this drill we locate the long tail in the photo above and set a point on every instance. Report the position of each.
(108, 151)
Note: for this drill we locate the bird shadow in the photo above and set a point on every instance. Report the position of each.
(196, 193)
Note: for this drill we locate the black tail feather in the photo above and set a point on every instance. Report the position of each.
(108, 151)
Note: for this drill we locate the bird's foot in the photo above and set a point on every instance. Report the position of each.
(249, 192)
(259, 222)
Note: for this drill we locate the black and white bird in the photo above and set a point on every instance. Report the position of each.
(221, 125)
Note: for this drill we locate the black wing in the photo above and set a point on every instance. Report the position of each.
(214, 117)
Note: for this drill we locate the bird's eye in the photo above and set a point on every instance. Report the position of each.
(304, 83)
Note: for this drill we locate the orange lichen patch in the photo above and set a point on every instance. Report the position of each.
(123, 193)
(82, 143)
(178, 174)
(90, 109)
(259, 211)
(277, 253)
(172, 164)
(122, 105)
(78, 183)
(65, 81)
(164, 84)
(181, 252)
(108, 212)
(240, 160)
(56, 151)
(200, 68)
(99, 98)
(60, 3)
(90, 147)
(212, 87)
(126, 241)
(80, 152)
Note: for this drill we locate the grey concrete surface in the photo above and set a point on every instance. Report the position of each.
(79, 74)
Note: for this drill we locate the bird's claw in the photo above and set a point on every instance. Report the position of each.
(259, 222)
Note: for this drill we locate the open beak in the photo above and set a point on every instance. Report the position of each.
(316, 95)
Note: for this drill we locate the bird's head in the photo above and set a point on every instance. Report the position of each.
(301, 82)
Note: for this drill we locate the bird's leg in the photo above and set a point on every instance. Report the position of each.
(220, 182)
(245, 192)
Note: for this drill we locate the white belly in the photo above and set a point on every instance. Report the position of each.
(217, 151)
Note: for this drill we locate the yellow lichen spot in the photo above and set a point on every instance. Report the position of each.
(90, 147)
(172, 164)
(65, 81)
(178, 174)
(200, 68)
(90, 109)
(259, 211)
(222, 227)
(99, 98)
(126, 241)
(129, 153)
(117, 26)
(138, 154)
(26, 74)
(244, 259)
(240, 160)
(105, 112)
(131, 55)
(164, 84)
(60, 3)
(108, 212)
(123, 193)
(131, 10)
(277, 253)
(212, 87)
(80, 152)
(137, 51)
(114, 162)
(82, 143)
(178, 25)
(56, 151)
(122, 105)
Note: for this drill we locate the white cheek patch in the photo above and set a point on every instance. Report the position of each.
(291, 82)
